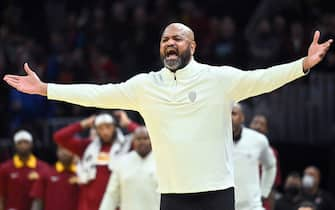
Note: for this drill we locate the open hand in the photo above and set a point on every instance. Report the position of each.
(88, 122)
(316, 51)
(30, 83)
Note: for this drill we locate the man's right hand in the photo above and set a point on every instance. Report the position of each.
(30, 83)
(88, 122)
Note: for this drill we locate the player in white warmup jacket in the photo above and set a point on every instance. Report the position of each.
(186, 107)
(133, 185)
(251, 149)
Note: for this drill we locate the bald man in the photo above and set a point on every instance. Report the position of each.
(186, 106)
(133, 185)
(251, 150)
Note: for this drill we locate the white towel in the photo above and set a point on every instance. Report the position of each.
(86, 167)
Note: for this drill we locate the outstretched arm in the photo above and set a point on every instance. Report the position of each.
(246, 84)
(123, 95)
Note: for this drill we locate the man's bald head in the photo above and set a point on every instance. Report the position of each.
(142, 130)
(141, 141)
(185, 30)
(177, 46)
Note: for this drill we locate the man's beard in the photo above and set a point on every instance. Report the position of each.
(180, 62)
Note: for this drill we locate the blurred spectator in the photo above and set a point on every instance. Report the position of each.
(306, 206)
(96, 155)
(25, 108)
(263, 45)
(192, 15)
(260, 123)
(18, 175)
(227, 47)
(280, 29)
(58, 187)
(329, 27)
(103, 68)
(87, 41)
(133, 185)
(111, 41)
(143, 37)
(118, 30)
(311, 190)
(292, 193)
(296, 45)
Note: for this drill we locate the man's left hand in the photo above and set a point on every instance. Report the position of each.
(316, 52)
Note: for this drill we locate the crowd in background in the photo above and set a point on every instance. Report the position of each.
(106, 169)
(110, 41)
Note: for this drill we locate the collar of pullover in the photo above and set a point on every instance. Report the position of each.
(185, 73)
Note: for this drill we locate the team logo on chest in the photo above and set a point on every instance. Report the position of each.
(103, 158)
(33, 175)
(192, 96)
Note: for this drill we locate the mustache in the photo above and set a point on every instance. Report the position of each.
(171, 50)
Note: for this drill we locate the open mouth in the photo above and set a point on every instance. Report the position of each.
(171, 53)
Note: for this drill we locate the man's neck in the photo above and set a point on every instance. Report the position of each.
(143, 156)
(107, 143)
(67, 165)
(24, 158)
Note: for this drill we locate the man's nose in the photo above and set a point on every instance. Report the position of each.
(171, 43)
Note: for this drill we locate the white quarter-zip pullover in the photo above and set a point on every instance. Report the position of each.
(188, 116)
(251, 151)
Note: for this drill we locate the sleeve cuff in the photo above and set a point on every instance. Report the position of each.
(132, 126)
(49, 91)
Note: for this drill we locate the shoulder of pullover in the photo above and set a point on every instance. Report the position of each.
(257, 136)
(224, 74)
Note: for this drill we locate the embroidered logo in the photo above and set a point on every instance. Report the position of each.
(33, 175)
(192, 96)
(160, 78)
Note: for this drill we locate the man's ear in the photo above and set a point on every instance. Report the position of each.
(193, 46)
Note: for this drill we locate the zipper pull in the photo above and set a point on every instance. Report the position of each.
(175, 77)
